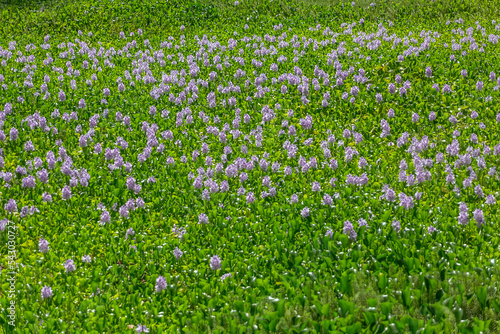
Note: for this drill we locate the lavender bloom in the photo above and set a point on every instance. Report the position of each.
(28, 146)
(69, 265)
(28, 182)
(415, 118)
(392, 88)
(327, 200)
(478, 191)
(228, 275)
(130, 232)
(478, 217)
(66, 193)
(43, 245)
(3, 224)
(428, 72)
(479, 85)
(396, 225)
(349, 230)
(86, 259)
(46, 197)
(215, 262)
(11, 206)
(161, 284)
(142, 329)
(178, 253)
(250, 197)
(46, 292)
(105, 217)
(13, 134)
(405, 201)
(316, 186)
(202, 218)
(490, 200)
(431, 229)
(362, 222)
(305, 212)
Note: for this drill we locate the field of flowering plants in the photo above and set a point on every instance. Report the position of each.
(251, 166)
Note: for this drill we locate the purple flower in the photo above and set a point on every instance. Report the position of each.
(228, 275)
(105, 217)
(43, 176)
(250, 197)
(46, 292)
(362, 222)
(392, 88)
(349, 230)
(479, 85)
(478, 191)
(396, 225)
(161, 284)
(66, 192)
(490, 200)
(478, 217)
(305, 212)
(141, 328)
(178, 253)
(69, 265)
(327, 200)
(415, 118)
(428, 71)
(11, 206)
(43, 245)
(130, 232)
(432, 116)
(202, 218)
(431, 229)
(13, 134)
(29, 182)
(46, 197)
(28, 146)
(316, 186)
(215, 262)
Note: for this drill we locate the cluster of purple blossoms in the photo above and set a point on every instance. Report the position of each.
(463, 215)
(396, 225)
(178, 253)
(161, 284)
(202, 219)
(305, 212)
(405, 201)
(141, 329)
(479, 217)
(69, 265)
(46, 292)
(215, 263)
(349, 230)
(223, 277)
(43, 245)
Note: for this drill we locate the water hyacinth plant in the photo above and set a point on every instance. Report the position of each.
(250, 166)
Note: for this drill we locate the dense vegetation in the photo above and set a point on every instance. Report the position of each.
(251, 166)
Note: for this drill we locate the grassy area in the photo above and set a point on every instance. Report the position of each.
(258, 166)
